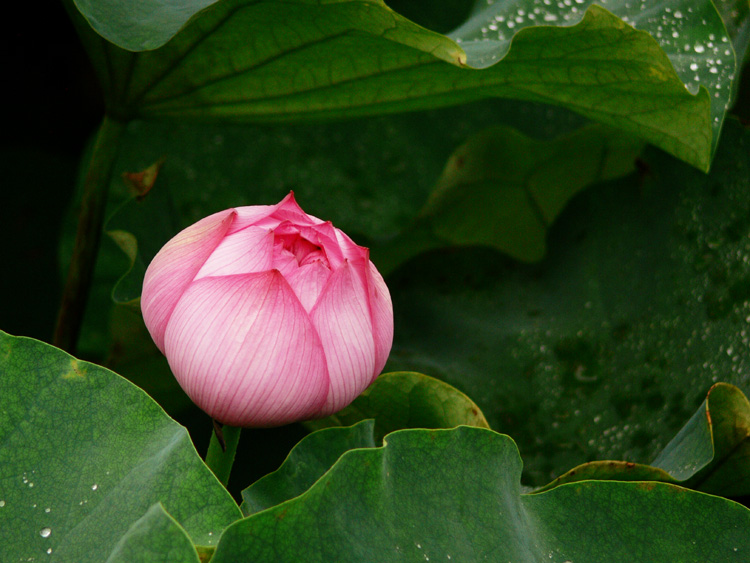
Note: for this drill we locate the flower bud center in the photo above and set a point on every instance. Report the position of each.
(304, 251)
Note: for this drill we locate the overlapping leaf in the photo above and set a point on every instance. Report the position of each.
(455, 495)
(334, 59)
(504, 190)
(709, 454)
(306, 463)
(408, 400)
(85, 456)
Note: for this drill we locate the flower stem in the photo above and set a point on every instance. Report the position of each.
(86, 246)
(221, 450)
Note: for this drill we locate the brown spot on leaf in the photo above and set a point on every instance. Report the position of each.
(77, 371)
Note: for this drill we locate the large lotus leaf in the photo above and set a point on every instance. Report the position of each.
(345, 58)
(606, 348)
(710, 453)
(408, 400)
(84, 455)
(455, 495)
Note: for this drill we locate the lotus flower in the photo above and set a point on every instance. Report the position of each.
(268, 315)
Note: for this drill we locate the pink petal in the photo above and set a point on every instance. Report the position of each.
(250, 215)
(285, 228)
(283, 260)
(175, 266)
(244, 349)
(269, 216)
(349, 248)
(308, 282)
(342, 319)
(381, 311)
(289, 210)
(324, 235)
(244, 252)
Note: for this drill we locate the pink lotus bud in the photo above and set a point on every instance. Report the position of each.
(268, 315)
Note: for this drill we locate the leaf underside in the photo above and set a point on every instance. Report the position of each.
(354, 58)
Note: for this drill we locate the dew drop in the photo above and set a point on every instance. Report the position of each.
(45, 532)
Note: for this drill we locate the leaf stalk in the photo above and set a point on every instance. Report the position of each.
(221, 450)
(88, 235)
